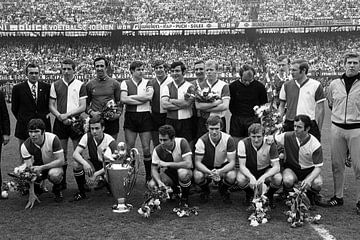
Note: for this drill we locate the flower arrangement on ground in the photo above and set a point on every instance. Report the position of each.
(80, 125)
(153, 200)
(22, 176)
(299, 205)
(260, 207)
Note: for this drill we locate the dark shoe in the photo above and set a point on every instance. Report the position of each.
(226, 198)
(235, 188)
(78, 197)
(248, 199)
(334, 201)
(271, 201)
(184, 203)
(100, 185)
(63, 186)
(87, 188)
(58, 197)
(204, 197)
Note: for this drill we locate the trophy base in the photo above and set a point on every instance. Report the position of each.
(122, 208)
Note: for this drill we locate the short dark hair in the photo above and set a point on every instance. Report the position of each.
(303, 118)
(256, 128)
(199, 62)
(282, 57)
(303, 64)
(181, 64)
(245, 68)
(36, 123)
(167, 130)
(134, 65)
(97, 119)
(31, 65)
(214, 120)
(69, 61)
(159, 63)
(351, 55)
(102, 58)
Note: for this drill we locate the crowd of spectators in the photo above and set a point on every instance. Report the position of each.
(303, 10)
(229, 50)
(171, 11)
(323, 51)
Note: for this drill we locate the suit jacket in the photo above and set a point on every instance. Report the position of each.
(4, 118)
(24, 107)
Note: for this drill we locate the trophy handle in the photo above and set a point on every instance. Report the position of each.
(132, 174)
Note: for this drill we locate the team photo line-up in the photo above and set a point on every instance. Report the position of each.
(186, 123)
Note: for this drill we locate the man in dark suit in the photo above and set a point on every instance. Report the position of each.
(4, 127)
(30, 100)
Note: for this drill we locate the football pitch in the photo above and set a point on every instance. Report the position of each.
(93, 219)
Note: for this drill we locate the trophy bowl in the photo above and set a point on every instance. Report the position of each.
(121, 173)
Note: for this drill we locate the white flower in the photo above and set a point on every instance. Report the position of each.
(254, 223)
(264, 220)
(157, 202)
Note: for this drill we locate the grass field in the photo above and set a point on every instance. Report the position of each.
(93, 218)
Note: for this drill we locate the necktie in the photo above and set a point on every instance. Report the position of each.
(33, 91)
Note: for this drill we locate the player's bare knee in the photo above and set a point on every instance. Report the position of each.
(230, 176)
(76, 166)
(317, 183)
(276, 180)
(184, 175)
(242, 180)
(151, 184)
(55, 175)
(199, 177)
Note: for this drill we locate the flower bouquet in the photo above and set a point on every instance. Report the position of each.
(153, 200)
(299, 205)
(80, 125)
(22, 176)
(260, 207)
(204, 95)
(110, 110)
(269, 117)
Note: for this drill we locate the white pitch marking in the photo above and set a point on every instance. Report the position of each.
(323, 232)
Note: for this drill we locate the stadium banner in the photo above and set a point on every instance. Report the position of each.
(172, 26)
(307, 23)
(57, 27)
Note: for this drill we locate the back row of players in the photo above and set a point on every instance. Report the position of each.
(164, 110)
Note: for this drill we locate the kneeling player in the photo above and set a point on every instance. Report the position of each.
(96, 141)
(215, 160)
(303, 160)
(42, 152)
(174, 156)
(259, 163)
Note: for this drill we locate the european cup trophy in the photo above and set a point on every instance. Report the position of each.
(121, 170)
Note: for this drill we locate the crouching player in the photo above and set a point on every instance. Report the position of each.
(303, 159)
(215, 160)
(97, 142)
(259, 163)
(174, 156)
(42, 152)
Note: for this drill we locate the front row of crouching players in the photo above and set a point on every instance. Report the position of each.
(172, 164)
(96, 141)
